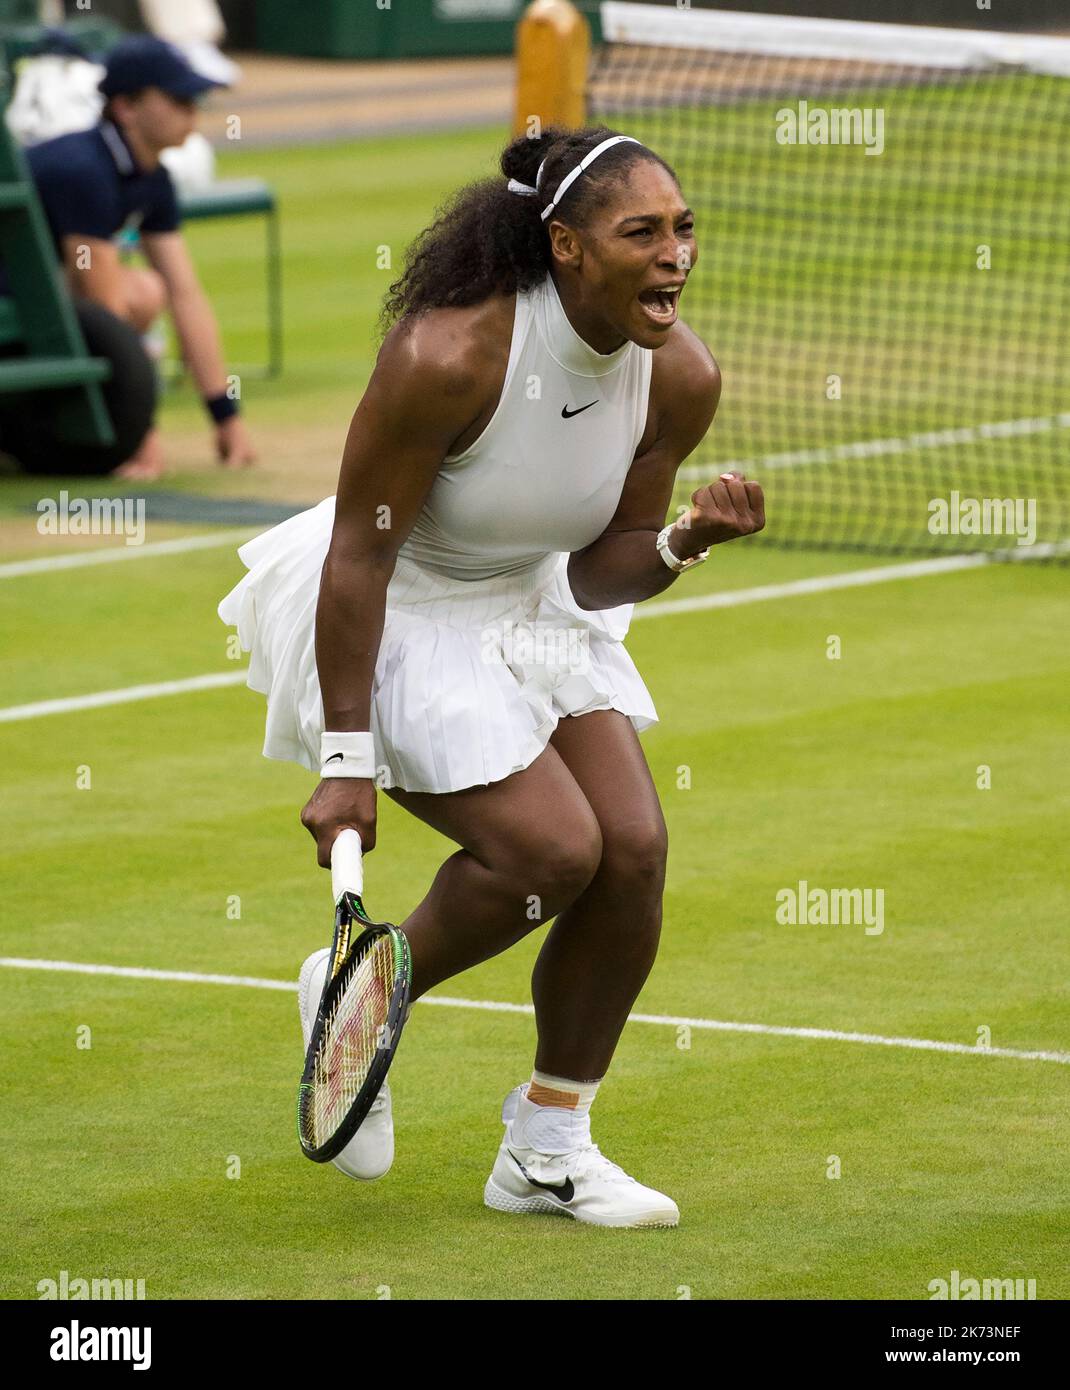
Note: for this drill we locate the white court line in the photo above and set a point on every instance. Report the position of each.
(132, 972)
(733, 598)
(852, 579)
(493, 1006)
(819, 584)
(878, 448)
(107, 554)
(124, 696)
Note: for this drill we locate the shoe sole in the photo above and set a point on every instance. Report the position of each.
(498, 1199)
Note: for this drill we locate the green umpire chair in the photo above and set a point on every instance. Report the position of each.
(46, 366)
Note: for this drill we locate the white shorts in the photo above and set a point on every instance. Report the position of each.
(471, 678)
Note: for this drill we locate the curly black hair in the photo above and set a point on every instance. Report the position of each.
(488, 240)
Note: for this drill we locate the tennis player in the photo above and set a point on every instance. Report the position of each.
(450, 627)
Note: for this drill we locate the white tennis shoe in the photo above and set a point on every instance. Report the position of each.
(370, 1152)
(582, 1184)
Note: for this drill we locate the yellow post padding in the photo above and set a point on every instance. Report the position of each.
(553, 44)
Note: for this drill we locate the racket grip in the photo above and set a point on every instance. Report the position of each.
(347, 867)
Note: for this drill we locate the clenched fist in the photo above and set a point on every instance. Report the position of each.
(723, 511)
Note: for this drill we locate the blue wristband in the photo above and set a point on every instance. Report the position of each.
(221, 407)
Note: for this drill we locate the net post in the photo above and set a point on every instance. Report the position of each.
(553, 44)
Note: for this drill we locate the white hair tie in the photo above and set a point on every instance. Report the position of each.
(527, 190)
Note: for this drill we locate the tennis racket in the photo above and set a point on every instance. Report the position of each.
(360, 1017)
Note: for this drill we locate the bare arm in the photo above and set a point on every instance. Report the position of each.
(194, 318)
(426, 389)
(623, 564)
(198, 336)
(94, 272)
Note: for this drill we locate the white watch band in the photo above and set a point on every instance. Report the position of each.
(347, 755)
(673, 561)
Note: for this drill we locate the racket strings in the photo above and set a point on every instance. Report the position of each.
(352, 1035)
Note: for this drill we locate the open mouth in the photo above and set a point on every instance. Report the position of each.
(660, 305)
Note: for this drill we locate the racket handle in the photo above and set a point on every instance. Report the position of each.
(347, 867)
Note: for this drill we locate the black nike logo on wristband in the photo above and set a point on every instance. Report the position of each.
(331, 759)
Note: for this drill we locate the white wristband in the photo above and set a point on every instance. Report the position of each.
(347, 755)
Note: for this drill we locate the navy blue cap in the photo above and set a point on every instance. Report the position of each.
(143, 61)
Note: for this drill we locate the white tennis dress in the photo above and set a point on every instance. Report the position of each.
(484, 647)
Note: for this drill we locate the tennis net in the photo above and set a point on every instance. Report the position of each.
(883, 224)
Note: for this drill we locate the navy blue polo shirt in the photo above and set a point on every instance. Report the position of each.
(90, 185)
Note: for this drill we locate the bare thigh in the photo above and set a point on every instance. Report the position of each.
(539, 816)
(603, 753)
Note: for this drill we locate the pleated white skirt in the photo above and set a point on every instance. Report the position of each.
(471, 678)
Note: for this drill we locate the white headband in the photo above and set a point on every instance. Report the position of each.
(527, 191)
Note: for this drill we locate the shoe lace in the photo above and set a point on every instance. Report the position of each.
(591, 1159)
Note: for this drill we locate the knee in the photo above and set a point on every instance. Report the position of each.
(555, 866)
(572, 864)
(634, 857)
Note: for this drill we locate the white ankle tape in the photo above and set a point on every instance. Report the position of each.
(586, 1090)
